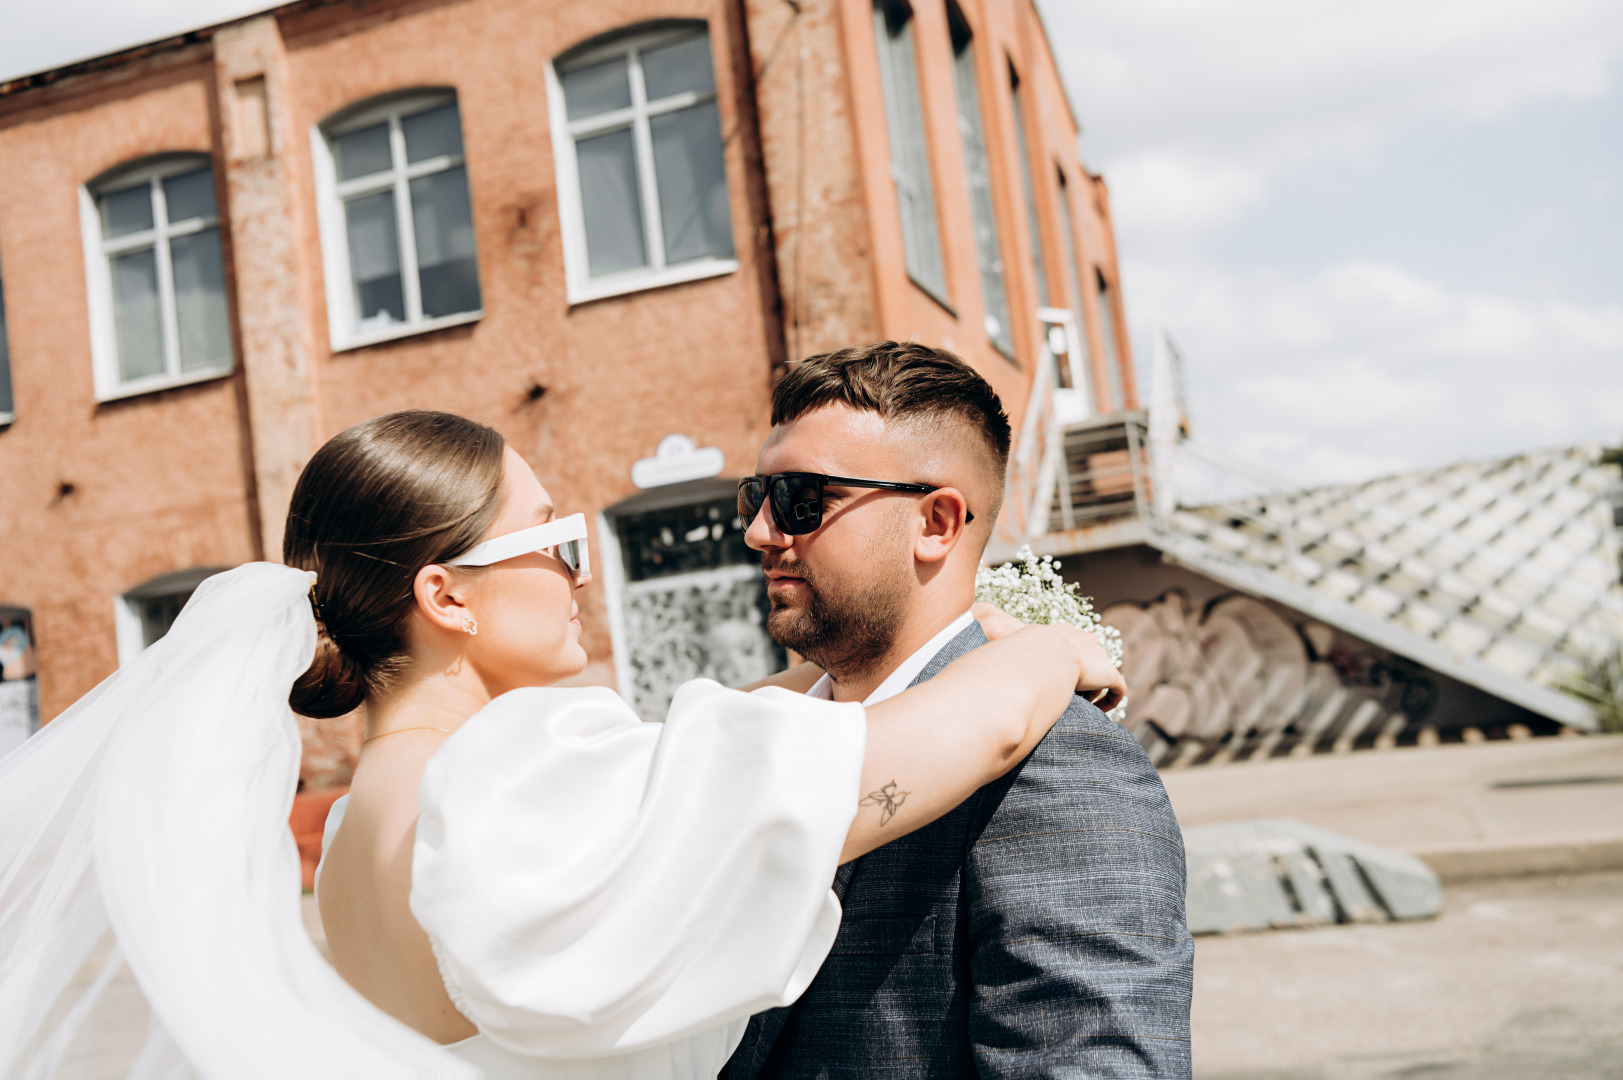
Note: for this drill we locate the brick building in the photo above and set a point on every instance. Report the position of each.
(600, 225)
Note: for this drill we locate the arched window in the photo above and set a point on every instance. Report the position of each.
(1112, 342)
(909, 149)
(396, 219)
(146, 612)
(642, 180)
(157, 282)
(978, 171)
(1033, 219)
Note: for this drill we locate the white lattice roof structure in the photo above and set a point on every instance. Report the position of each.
(1503, 574)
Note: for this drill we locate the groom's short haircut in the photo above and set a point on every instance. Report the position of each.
(909, 384)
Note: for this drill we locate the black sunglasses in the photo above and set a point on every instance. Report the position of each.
(797, 497)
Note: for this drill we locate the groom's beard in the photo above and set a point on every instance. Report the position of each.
(845, 631)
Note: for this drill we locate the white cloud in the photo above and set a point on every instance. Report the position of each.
(1365, 368)
(1197, 109)
(1182, 194)
(1238, 90)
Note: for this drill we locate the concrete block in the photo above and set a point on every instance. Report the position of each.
(1235, 889)
(1357, 905)
(1257, 875)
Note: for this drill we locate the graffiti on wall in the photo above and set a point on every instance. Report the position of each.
(708, 624)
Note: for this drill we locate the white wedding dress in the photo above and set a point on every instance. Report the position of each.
(607, 899)
(610, 899)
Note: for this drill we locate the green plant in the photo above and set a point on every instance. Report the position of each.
(1599, 684)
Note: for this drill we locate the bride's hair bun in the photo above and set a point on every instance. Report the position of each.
(334, 685)
(376, 504)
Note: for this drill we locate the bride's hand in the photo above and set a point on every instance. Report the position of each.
(995, 621)
(1099, 680)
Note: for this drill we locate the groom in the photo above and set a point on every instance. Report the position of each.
(1038, 929)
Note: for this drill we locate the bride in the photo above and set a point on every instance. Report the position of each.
(524, 880)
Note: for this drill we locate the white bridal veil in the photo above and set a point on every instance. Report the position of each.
(147, 826)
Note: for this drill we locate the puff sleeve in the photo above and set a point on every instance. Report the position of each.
(593, 884)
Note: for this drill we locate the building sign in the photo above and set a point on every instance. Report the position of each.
(675, 461)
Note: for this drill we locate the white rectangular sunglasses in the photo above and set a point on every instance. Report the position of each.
(566, 535)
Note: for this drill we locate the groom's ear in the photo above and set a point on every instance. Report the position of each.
(944, 512)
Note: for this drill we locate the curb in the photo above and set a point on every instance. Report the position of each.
(1576, 856)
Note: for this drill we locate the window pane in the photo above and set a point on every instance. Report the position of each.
(435, 133)
(374, 261)
(679, 68)
(189, 195)
(909, 154)
(1031, 202)
(1073, 273)
(127, 211)
(5, 357)
(988, 252)
(363, 152)
(136, 322)
(610, 199)
(446, 268)
(599, 88)
(200, 315)
(1107, 330)
(158, 615)
(692, 183)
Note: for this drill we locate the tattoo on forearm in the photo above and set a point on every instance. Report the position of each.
(888, 799)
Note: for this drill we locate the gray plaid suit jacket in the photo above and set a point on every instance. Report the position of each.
(1037, 930)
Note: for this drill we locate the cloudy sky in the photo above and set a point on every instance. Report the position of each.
(1384, 235)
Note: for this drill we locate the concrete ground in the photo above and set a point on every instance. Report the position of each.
(1520, 978)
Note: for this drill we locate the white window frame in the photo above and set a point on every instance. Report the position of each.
(989, 264)
(912, 170)
(1039, 258)
(99, 277)
(580, 285)
(331, 193)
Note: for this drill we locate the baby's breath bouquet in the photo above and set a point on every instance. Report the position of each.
(1031, 590)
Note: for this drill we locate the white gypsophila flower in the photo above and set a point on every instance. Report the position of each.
(1032, 590)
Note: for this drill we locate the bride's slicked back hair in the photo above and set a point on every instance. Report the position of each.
(376, 504)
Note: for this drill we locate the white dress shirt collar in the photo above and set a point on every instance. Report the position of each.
(908, 670)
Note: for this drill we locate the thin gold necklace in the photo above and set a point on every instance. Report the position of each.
(397, 731)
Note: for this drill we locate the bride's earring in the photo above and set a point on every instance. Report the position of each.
(470, 626)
